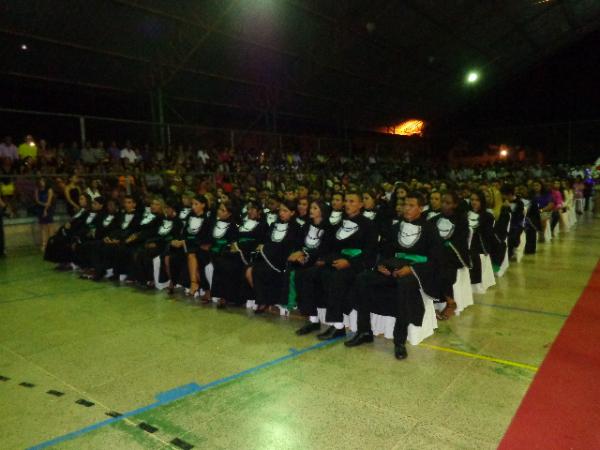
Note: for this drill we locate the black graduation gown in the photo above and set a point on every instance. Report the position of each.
(268, 272)
(104, 225)
(195, 231)
(354, 239)
(482, 238)
(301, 288)
(418, 245)
(148, 229)
(231, 266)
(501, 225)
(517, 219)
(59, 246)
(157, 245)
(224, 234)
(533, 225)
(105, 256)
(454, 231)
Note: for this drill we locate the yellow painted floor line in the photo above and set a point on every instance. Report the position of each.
(483, 357)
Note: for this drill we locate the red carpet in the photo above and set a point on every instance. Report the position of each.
(561, 409)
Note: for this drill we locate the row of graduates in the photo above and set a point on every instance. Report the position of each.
(339, 256)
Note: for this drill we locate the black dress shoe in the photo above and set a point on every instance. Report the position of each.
(331, 333)
(308, 327)
(400, 351)
(359, 339)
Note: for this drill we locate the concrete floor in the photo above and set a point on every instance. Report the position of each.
(251, 383)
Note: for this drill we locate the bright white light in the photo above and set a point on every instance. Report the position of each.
(24, 47)
(503, 153)
(472, 77)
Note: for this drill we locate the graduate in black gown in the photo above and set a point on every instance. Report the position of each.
(59, 248)
(517, 217)
(411, 255)
(268, 272)
(147, 230)
(435, 205)
(223, 235)
(188, 253)
(229, 281)
(353, 249)
(106, 253)
(481, 224)
(105, 225)
(87, 232)
(532, 220)
(453, 228)
(337, 208)
(306, 262)
(154, 246)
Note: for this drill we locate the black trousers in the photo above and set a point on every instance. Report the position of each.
(513, 241)
(337, 289)
(228, 276)
(397, 297)
(142, 269)
(475, 270)
(309, 289)
(554, 219)
(530, 241)
(268, 284)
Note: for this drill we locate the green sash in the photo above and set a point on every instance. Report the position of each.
(496, 268)
(293, 294)
(412, 257)
(351, 252)
(246, 239)
(218, 245)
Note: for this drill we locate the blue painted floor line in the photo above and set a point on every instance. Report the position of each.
(516, 308)
(180, 392)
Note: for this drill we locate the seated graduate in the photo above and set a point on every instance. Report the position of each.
(105, 254)
(305, 264)
(544, 203)
(147, 231)
(532, 220)
(224, 235)
(453, 228)
(353, 249)
(143, 257)
(59, 247)
(517, 217)
(104, 226)
(435, 205)
(189, 250)
(267, 274)
(411, 255)
(87, 232)
(337, 208)
(481, 224)
(302, 215)
(229, 282)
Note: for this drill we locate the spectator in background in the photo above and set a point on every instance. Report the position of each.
(88, 155)
(203, 156)
(28, 148)
(72, 191)
(44, 199)
(99, 152)
(128, 154)
(9, 150)
(73, 153)
(113, 152)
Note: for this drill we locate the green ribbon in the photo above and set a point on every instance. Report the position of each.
(293, 294)
(351, 252)
(218, 245)
(495, 268)
(246, 239)
(412, 257)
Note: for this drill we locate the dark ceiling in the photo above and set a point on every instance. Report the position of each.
(369, 62)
